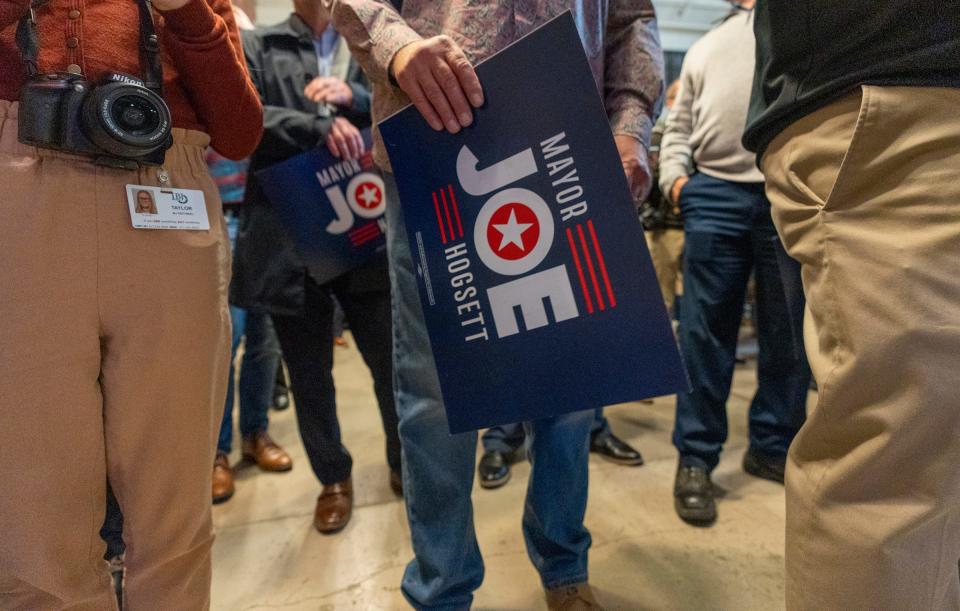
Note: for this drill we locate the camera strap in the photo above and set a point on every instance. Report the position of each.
(150, 44)
(28, 42)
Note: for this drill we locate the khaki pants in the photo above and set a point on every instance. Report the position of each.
(114, 346)
(666, 250)
(866, 195)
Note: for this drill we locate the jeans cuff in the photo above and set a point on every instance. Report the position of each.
(418, 607)
(562, 582)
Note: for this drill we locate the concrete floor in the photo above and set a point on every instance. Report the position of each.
(267, 554)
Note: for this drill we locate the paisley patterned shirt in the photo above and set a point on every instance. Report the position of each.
(619, 36)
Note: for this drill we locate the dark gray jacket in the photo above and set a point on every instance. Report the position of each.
(268, 275)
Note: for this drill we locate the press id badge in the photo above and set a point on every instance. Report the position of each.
(166, 208)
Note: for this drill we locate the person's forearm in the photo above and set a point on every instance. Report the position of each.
(676, 154)
(207, 53)
(374, 31)
(676, 150)
(11, 11)
(633, 79)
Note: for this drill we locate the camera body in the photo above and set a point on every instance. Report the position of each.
(120, 122)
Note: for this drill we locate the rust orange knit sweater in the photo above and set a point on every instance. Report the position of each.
(205, 76)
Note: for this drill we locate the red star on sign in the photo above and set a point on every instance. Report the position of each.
(513, 231)
(368, 195)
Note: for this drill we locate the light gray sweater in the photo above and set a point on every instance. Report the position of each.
(709, 115)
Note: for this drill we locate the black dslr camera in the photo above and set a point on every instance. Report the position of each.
(121, 122)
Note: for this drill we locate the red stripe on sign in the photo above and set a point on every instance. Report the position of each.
(456, 209)
(436, 206)
(603, 264)
(366, 237)
(446, 211)
(593, 273)
(576, 262)
(369, 227)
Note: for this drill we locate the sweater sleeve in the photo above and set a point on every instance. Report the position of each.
(204, 43)
(676, 152)
(633, 74)
(374, 30)
(11, 11)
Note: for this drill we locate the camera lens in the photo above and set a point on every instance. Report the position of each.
(135, 115)
(127, 119)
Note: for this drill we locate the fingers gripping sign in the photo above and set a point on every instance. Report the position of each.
(440, 81)
(345, 140)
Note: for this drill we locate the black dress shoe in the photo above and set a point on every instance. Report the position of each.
(396, 483)
(494, 469)
(616, 450)
(693, 496)
(764, 466)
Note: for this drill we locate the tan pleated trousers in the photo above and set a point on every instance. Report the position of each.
(666, 250)
(114, 346)
(866, 195)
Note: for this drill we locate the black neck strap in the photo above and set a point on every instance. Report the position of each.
(150, 47)
(28, 41)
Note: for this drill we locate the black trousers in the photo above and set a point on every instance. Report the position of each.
(307, 344)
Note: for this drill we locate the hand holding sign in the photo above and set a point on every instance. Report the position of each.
(344, 140)
(438, 79)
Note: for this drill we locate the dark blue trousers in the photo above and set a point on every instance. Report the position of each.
(509, 438)
(719, 258)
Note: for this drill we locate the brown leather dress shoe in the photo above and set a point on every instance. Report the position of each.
(259, 448)
(577, 597)
(223, 487)
(334, 507)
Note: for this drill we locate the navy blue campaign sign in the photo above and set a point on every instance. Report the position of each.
(331, 208)
(539, 293)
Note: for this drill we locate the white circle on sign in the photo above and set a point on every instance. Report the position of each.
(501, 226)
(366, 195)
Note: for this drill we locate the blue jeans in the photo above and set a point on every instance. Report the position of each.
(438, 467)
(258, 369)
(508, 438)
(717, 266)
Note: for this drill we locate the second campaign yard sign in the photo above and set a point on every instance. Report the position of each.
(331, 208)
(539, 293)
